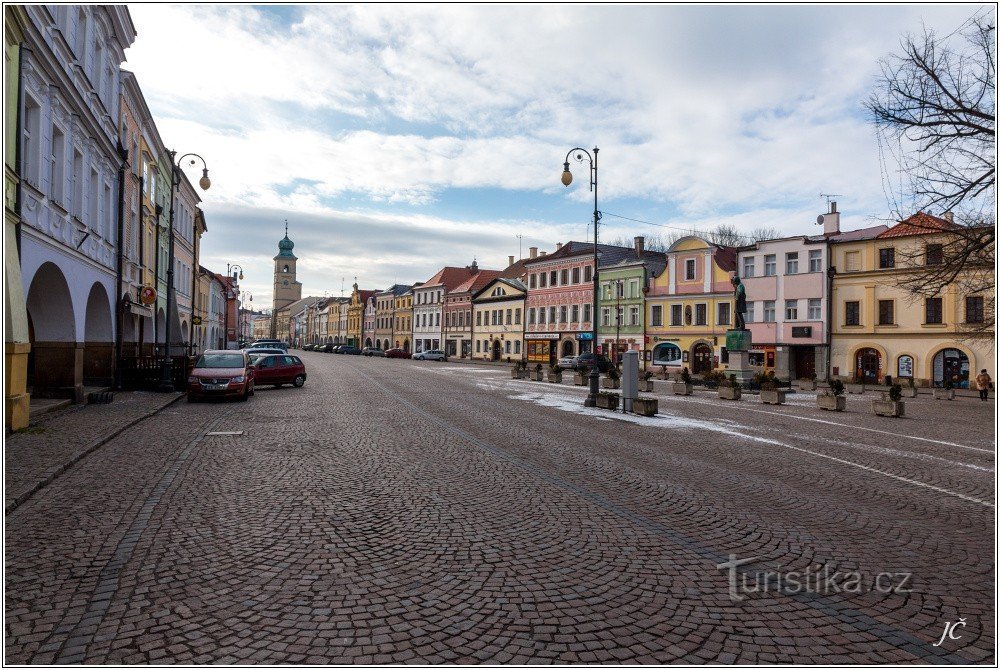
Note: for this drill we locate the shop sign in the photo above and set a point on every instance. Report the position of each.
(584, 336)
(147, 295)
(541, 336)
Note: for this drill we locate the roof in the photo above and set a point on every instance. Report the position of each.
(297, 306)
(364, 295)
(725, 257)
(451, 277)
(513, 283)
(476, 281)
(607, 254)
(919, 224)
(516, 270)
(655, 262)
(860, 234)
(396, 290)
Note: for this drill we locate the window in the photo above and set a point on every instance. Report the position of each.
(792, 263)
(620, 289)
(723, 314)
(541, 315)
(935, 254)
(633, 288)
(509, 317)
(564, 277)
(666, 353)
(748, 317)
(689, 269)
(507, 346)
(586, 313)
(748, 268)
(974, 309)
(32, 138)
(633, 315)
(94, 214)
(619, 314)
(552, 314)
(576, 314)
(656, 315)
(815, 309)
(588, 274)
(576, 275)
(852, 260)
(606, 316)
(77, 184)
(532, 281)
(57, 167)
(791, 310)
(852, 313)
(770, 265)
(932, 309)
(768, 311)
(701, 314)
(885, 313)
(479, 343)
(517, 316)
(553, 278)
(675, 315)
(887, 258)
(815, 260)
(542, 280)
(479, 318)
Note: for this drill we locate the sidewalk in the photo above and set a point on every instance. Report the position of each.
(35, 456)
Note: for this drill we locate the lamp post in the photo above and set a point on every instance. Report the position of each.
(230, 295)
(166, 370)
(579, 155)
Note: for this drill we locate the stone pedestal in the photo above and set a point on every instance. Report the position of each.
(738, 343)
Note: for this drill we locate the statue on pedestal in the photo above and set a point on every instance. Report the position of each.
(740, 293)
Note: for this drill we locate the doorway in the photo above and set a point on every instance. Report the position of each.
(868, 365)
(702, 359)
(804, 362)
(496, 350)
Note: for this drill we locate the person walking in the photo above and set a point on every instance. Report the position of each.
(984, 383)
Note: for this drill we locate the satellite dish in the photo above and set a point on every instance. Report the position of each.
(819, 219)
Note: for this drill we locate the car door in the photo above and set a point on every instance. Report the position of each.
(290, 367)
(266, 369)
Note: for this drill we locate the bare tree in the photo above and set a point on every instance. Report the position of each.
(934, 109)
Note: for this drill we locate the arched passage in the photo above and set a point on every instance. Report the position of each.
(55, 363)
(99, 340)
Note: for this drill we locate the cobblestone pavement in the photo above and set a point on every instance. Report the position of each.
(34, 456)
(405, 511)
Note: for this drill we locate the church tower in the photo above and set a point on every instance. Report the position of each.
(286, 289)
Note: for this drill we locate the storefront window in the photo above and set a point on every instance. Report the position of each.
(666, 353)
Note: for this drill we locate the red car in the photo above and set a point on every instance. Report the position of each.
(396, 353)
(221, 374)
(279, 369)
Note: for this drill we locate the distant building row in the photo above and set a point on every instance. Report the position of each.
(817, 305)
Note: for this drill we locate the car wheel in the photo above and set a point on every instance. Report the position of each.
(299, 381)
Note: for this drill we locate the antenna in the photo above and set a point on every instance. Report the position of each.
(519, 236)
(829, 197)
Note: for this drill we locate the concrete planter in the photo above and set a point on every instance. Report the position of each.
(608, 401)
(887, 408)
(730, 393)
(645, 406)
(772, 397)
(516, 374)
(944, 394)
(609, 383)
(581, 378)
(536, 375)
(806, 384)
(646, 386)
(680, 388)
(834, 403)
(554, 377)
(854, 388)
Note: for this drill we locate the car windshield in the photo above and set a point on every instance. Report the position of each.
(220, 361)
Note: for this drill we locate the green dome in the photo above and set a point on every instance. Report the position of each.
(285, 247)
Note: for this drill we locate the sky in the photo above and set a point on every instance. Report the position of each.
(399, 139)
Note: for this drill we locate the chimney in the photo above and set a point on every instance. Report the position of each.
(949, 216)
(558, 246)
(510, 261)
(640, 246)
(542, 253)
(830, 220)
(532, 252)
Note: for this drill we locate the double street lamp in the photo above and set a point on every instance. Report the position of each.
(231, 295)
(166, 369)
(581, 155)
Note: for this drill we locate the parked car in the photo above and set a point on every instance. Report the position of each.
(270, 344)
(568, 362)
(349, 350)
(430, 355)
(254, 351)
(396, 353)
(325, 348)
(279, 369)
(221, 374)
(588, 360)
(373, 351)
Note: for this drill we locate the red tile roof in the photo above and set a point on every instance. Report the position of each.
(919, 224)
(450, 277)
(476, 282)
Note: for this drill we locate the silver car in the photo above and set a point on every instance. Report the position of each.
(568, 362)
(430, 355)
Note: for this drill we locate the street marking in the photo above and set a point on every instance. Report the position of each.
(225, 432)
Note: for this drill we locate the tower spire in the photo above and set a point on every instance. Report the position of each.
(286, 227)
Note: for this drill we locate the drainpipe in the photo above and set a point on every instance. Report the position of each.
(831, 272)
(119, 261)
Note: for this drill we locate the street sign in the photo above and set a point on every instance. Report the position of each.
(147, 295)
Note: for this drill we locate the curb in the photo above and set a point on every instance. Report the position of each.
(52, 476)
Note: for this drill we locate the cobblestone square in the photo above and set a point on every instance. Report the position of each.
(399, 511)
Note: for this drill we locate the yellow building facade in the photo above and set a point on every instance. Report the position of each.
(498, 321)
(689, 307)
(880, 328)
(402, 318)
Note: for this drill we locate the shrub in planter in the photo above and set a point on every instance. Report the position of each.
(613, 380)
(891, 403)
(729, 389)
(944, 394)
(581, 377)
(645, 406)
(834, 400)
(518, 370)
(646, 381)
(909, 390)
(770, 394)
(608, 400)
(536, 374)
(663, 372)
(680, 388)
(555, 374)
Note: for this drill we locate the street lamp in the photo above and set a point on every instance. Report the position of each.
(230, 295)
(579, 155)
(166, 370)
